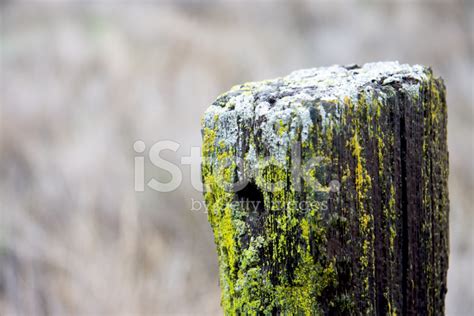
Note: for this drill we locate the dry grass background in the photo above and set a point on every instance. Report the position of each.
(81, 82)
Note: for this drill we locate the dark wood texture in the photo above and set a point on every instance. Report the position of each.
(340, 199)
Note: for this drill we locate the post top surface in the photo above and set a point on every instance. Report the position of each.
(291, 100)
(329, 83)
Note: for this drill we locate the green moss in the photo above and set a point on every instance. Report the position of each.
(248, 286)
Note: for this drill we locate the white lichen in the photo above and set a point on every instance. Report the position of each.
(278, 110)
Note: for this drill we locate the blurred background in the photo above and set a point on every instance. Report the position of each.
(81, 81)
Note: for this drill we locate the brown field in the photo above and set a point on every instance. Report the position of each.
(81, 82)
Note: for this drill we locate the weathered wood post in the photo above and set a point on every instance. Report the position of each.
(327, 192)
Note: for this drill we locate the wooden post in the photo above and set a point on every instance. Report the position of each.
(327, 192)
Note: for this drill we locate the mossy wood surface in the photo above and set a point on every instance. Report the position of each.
(343, 207)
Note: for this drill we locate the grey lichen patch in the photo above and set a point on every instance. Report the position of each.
(289, 244)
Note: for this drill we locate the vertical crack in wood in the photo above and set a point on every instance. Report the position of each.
(405, 238)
